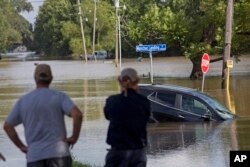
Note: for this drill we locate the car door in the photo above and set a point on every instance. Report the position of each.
(163, 106)
(193, 109)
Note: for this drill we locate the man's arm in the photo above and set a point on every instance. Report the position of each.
(77, 116)
(107, 108)
(11, 132)
(2, 157)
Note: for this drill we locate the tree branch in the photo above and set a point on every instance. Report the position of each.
(215, 60)
(243, 33)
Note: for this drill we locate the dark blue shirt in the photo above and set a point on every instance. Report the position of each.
(128, 116)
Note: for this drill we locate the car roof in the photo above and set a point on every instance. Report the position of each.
(172, 88)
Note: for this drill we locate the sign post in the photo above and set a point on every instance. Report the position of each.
(149, 49)
(229, 66)
(204, 67)
(151, 67)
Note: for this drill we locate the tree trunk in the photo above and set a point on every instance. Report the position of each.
(196, 71)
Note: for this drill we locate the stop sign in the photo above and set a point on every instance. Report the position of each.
(205, 63)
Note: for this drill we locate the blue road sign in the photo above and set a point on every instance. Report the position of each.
(151, 48)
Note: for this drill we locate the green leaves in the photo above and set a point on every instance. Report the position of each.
(50, 21)
(22, 5)
(241, 38)
(104, 25)
(194, 26)
(13, 27)
(57, 30)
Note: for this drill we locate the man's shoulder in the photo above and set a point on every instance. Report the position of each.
(47, 91)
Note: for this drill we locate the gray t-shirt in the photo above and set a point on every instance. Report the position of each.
(42, 114)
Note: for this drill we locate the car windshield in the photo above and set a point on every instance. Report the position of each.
(215, 104)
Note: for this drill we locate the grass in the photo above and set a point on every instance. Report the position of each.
(79, 164)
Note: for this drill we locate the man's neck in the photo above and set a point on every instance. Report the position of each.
(40, 85)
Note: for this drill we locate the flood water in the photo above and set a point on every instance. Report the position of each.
(170, 144)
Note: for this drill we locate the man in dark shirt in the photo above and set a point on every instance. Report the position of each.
(128, 113)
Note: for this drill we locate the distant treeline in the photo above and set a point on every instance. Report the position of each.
(189, 28)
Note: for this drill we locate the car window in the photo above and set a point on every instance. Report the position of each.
(215, 104)
(151, 95)
(193, 105)
(167, 97)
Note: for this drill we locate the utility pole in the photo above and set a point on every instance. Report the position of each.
(83, 37)
(120, 42)
(227, 44)
(116, 33)
(94, 22)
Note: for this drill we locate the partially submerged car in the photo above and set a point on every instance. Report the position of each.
(175, 103)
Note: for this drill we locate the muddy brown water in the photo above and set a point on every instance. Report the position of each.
(170, 144)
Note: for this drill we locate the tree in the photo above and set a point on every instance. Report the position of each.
(241, 38)
(57, 28)
(50, 20)
(13, 27)
(192, 26)
(208, 19)
(22, 5)
(130, 24)
(105, 25)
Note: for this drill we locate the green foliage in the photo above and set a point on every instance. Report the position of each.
(71, 33)
(197, 49)
(194, 26)
(51, 18)
(13, 27)
(105, 25)
(22, 5)
(57, 30)
(241, 38)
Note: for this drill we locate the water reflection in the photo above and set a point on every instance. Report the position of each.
(177, 136)
(89, 95)
(191, 144)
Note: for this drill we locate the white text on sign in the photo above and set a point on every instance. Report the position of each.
(205, 62)
(240, 158)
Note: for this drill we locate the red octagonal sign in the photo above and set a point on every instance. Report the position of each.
(205, 63)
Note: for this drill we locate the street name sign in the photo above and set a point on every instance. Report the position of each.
(151, 48)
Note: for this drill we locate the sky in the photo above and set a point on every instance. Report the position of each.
(31, 16)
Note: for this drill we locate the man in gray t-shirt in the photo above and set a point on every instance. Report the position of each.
(42, 114)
